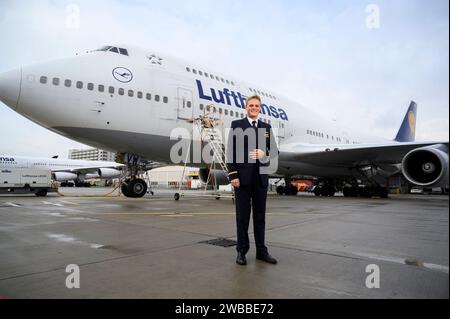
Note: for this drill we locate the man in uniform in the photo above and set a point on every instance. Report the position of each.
(251, 146)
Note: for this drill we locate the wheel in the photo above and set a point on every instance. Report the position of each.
(329, 191)
(137, 188)
(291, 190)
(346, 191)
(176, 196)
(124, 189)
(41, 193)
(318, 190)
(280, 190)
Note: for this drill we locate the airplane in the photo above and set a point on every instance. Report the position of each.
(128, 99)
(65, 170)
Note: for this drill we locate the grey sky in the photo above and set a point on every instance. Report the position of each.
(319, 53)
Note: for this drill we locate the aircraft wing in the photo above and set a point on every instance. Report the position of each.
(87, 169)
(350, 155)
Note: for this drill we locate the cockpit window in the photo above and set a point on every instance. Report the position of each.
(104, 48)
(109, 48)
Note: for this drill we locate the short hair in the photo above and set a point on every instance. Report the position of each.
(251, 98)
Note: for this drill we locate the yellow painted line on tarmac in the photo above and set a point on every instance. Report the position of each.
(69, 203)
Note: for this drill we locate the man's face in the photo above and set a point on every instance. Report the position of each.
(253, 108)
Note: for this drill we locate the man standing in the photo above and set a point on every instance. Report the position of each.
(250, 146)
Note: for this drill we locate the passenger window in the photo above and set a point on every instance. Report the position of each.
(55, 81)
(121, 91)
(226, 111)
(200, 72)
(211, 76)
(232, 83)
(237, 114)
(90, 86)
(242, 115)
(130, 93)
(217, 78)
(148, 96)
(231, 113)
(220, 110)
(157, 98)
(111, 89)
(188, 104)
(139, 95)
(101, 88)
(201, 106)
(187, 69)
(79, 85)
(194, 71)
(221, 79)
(165, 99)
(43, 79)
(206, 74)
(228, 82)
(67, 83)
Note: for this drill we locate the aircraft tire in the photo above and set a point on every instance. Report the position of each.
(137, 188)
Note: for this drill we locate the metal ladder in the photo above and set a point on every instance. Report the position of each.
(210, 127)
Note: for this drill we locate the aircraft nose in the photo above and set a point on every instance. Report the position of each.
(10, 83)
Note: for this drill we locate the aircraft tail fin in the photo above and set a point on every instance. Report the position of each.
(407, 131)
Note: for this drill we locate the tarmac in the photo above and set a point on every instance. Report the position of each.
(156, 247)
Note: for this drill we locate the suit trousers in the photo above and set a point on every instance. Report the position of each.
(247, 197)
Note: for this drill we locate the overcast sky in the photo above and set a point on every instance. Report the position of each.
(331, 56)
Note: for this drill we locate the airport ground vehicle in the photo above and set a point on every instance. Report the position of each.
(26, 181)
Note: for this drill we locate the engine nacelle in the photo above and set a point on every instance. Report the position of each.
(220, 176)
(91, 176)
(64, 176)
(108, 172)
(426, 166)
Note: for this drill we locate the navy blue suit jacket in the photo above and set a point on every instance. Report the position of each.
(239, 163)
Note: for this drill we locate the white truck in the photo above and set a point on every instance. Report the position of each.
(25, 181)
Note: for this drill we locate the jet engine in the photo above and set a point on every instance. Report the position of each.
(218, 175)
(108, 173)
(64, 176)
(427, 166)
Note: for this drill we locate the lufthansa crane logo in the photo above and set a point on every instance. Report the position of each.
(122, 74)
(412, 122)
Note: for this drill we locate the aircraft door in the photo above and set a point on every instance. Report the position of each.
(185, 109)
(280, 125)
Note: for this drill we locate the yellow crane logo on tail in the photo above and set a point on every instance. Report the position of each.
(412, 122)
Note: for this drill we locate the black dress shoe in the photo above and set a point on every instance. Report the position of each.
(240, 259)
(267, 258)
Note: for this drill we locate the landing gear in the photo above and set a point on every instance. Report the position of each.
(134, 188)
(325, 190)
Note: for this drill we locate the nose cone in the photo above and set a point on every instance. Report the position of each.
(10, 83)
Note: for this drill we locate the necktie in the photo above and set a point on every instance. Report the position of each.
(256, 131)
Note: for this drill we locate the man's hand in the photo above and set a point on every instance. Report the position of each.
(256, 154)
(235, 183)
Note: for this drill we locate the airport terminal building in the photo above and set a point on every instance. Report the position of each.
(92, 154)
